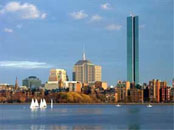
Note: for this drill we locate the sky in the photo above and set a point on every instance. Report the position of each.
(37, 35)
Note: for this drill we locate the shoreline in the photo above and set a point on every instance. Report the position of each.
(93, 103)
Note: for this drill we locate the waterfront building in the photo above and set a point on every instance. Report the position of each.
(116, 97)
(32, 82)
(122, 90)
(163, 86)
(57, 75)
(85, 71)
(56, 79)
(154, 86)
(172, 94)
(101, 85)
(168, 92)
(136, 95)
(50, 85)
(73, 86)
(132, 49)
(6, 87)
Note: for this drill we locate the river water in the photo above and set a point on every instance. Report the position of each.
(90, 117)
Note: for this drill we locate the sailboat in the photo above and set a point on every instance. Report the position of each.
(149, 105)
(34, 104)
(43, 104)
(51, 103)
(118, 105)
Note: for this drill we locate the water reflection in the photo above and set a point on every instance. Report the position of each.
(64, 127)
(134, 127)
(87, 111)
(37, 127)
(34, 110)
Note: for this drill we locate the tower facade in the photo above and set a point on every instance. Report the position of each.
(132, 49)
(86, 72)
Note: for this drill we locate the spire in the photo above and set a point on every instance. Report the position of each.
(84, 55)
(16, 83)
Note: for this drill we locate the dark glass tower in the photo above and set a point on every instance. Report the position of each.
(132, 49)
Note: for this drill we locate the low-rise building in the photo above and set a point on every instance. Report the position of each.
(73, 86)
(32, 82)
(136, 95)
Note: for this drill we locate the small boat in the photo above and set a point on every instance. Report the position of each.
(51, 103)
(118, 105)
(149, 105)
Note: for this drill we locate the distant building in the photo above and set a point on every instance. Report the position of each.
(73, 86)
(6, 87)
(172, 94)
(56, 79)
(154, 86)
(32, 82)
(136, 95)
(132, 49)
(51, 85)
(57, 74)
(122, 90)
(86, 72)
(100, 84)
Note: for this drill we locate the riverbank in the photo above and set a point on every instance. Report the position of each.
(93, 103)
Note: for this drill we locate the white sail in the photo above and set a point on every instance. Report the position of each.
(32, 104)
(36, 103)
(41, 103)
(51, 103)
(44, 103)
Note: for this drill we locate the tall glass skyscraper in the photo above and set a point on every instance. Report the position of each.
(132, 49)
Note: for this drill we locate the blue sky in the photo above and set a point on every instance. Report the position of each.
(37, 35)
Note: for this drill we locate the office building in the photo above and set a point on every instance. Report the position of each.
(132, 49)
(32, 82)
(57, 75)
(86, 72)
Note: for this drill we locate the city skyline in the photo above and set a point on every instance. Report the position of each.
(32, 44)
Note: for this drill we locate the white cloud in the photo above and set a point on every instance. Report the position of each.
(95, 18)
(43, 16)
(106, 6)
(9, 30)
(113, 27)
(24, 64)
(24, 11)
(79, 15)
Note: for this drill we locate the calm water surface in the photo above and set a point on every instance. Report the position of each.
(95, 117)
